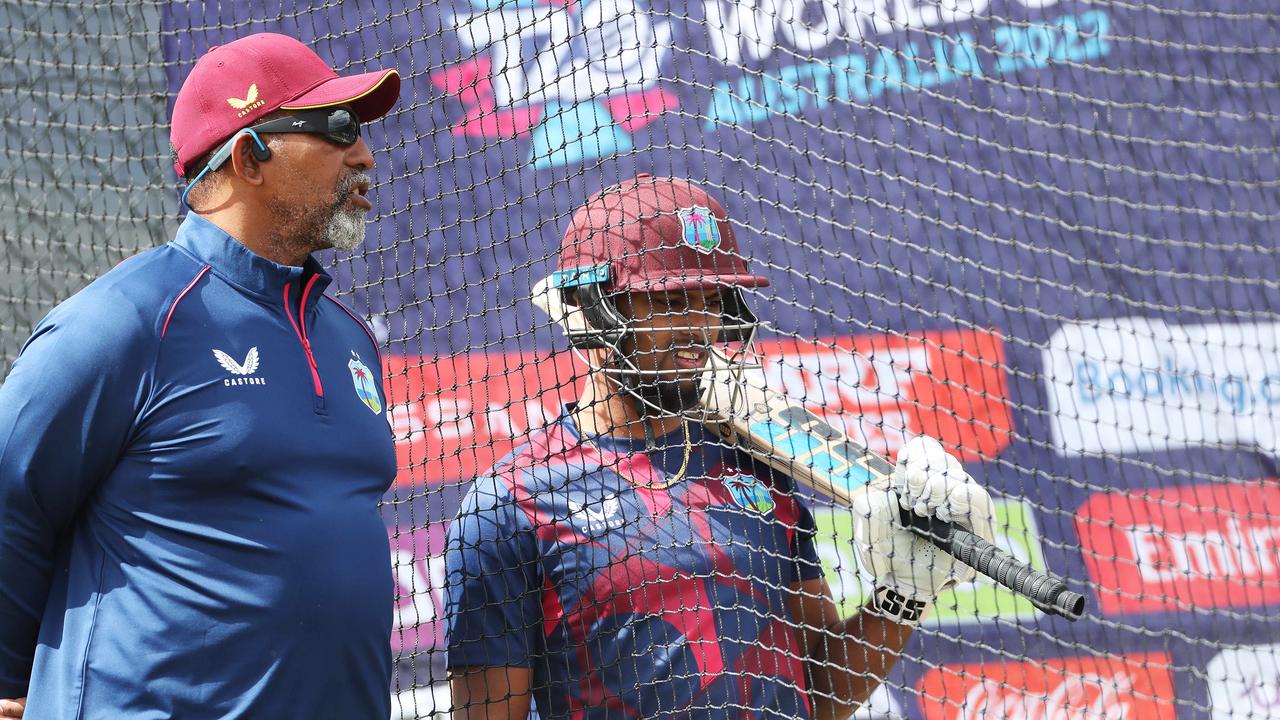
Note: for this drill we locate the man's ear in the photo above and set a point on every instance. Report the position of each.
(247, 158)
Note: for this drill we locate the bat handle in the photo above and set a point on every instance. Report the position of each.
(1045, 591)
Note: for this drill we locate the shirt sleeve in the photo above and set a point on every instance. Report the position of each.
(804, 550)
(66, 412)
(804, 547)
(493, 593)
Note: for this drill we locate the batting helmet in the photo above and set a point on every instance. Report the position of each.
(651, 234)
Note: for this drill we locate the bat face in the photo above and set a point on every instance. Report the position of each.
(781, 432)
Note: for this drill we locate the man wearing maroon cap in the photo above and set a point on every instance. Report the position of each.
(194, 446)
(624, 562)
(268, 138)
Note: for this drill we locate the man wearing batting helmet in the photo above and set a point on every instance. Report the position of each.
(194, 446)
(624, 562)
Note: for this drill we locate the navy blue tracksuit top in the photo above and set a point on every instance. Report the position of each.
(192, 450)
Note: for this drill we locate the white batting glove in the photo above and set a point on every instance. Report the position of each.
(910, 571)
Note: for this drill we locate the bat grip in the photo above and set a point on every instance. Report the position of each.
(1045, 591)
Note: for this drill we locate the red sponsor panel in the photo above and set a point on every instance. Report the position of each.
(886, 389)
(1130, 687)
(1196, 547)
(454, 417)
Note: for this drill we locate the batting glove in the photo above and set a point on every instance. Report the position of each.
(910, 571)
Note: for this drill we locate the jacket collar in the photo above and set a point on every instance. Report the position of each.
(230, 260)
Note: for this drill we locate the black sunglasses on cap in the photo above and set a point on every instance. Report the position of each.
(338, 125)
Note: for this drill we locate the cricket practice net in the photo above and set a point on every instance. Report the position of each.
(1042, 231)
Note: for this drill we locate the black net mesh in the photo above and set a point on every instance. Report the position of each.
(1039, 231)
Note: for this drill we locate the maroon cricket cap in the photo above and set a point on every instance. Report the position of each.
(655, 234)
(235, 84)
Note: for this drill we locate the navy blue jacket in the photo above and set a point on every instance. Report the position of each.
(192, 450)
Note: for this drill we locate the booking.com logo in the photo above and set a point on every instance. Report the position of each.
(575, 78)
(1172, 383)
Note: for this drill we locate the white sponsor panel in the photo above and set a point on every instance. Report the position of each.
(1135, 384)
(1244, 682)
(419, 591)
(417, 567)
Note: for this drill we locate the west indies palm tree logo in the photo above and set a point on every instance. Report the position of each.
(365, 383)
(749, 493)
(700, 228)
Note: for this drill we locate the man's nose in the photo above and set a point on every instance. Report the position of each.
(360, 155)
(698, 333)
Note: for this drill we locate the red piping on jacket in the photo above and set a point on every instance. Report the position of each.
(300, 328)
(178, 299)
(359, 322)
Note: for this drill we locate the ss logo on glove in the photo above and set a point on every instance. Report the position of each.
(898, 607)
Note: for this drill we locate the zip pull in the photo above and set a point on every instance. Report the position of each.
(299, 329)
(311, 358)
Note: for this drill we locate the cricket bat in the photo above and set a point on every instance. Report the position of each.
(783, 434)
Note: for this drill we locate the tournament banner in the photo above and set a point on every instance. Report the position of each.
(1040, 230)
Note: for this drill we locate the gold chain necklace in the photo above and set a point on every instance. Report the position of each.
(684, 465)
(688, 450)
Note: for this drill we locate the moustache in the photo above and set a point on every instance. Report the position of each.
(348, 184)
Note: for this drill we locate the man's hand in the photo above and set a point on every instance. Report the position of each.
(13, 708)
(910, 571)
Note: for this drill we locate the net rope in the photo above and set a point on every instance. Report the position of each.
(1041, 231)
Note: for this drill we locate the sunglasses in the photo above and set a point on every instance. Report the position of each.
(338, 125)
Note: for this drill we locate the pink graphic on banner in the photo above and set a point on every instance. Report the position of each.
(471, 83)
(417, 564)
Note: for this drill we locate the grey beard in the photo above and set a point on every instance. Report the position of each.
(328, 226)
(346, 228)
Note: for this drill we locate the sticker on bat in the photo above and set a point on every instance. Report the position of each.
(800, 434)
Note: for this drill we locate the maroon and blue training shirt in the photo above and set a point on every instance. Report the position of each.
(626, 598)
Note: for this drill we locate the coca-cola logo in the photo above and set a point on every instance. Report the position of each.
(1135, 687)
(1077, 697)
